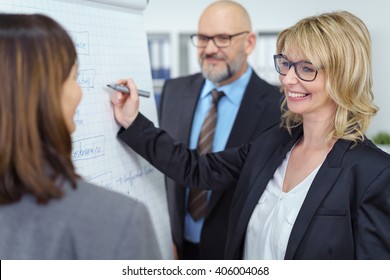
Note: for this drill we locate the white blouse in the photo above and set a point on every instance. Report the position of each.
(272, 220)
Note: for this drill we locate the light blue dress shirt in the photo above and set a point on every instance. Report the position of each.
(228, 107)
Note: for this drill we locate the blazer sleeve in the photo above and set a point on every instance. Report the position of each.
(219, 170)
(373, 233)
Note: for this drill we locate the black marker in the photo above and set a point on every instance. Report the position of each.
(124, 89)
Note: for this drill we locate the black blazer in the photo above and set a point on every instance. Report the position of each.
(345, 215)
(259, 110)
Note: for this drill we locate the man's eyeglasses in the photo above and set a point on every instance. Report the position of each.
(220, 40)
(304, 69)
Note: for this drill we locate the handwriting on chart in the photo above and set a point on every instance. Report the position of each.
(86, 78)
(78, 120)
(132, 176)
(88, 148)
(81, 41)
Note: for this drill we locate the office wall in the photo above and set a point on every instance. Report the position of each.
(178, 16)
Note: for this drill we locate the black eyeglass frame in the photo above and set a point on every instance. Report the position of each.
(293, 64)
(212, 38)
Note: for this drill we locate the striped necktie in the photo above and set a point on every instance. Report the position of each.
(197, 203)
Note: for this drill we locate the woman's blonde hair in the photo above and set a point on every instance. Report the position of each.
(339, 44)
(36, 57)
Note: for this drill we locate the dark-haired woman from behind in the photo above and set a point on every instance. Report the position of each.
(46, 210)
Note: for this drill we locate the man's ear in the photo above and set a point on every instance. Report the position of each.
(250, 43)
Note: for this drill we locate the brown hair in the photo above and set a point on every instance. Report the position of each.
(36, 56)
(339, 43)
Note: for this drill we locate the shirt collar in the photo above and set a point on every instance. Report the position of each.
(233, 91)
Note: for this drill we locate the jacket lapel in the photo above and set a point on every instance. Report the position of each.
(322, 184)
(187, 107)
(250, 192)
(248, 116)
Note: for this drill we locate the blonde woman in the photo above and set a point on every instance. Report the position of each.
(315, 188)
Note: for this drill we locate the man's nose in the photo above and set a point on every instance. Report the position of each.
(211, 47)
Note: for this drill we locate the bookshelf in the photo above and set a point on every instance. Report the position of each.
(262, 57)
(188, 63)
(159, 45)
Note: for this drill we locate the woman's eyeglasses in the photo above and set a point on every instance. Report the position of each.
(303, 69)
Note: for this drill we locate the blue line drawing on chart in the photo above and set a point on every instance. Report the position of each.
(104, 180)
(88, 148)
(81, 41)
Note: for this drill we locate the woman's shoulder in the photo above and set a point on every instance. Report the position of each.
(103, 200)
(368, 156)
(88, 222)
(95, 205)
(109, 216)
(370, 152)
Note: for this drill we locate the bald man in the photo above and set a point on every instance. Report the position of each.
(248, 107)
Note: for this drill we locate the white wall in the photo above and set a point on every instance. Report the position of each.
(177, 16)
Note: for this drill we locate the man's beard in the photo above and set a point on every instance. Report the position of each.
(217, 76)
(210, 72)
